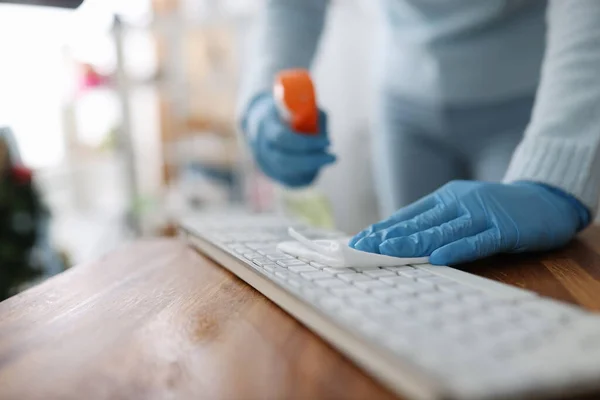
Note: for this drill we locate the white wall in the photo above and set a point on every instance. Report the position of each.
(32, 80)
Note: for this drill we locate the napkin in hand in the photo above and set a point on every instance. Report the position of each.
(336, 253)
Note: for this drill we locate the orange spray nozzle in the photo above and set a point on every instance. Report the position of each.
(295, 97)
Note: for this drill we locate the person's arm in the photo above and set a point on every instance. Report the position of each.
(552, 186)
(561, 147)
(288, 32)
(287, 35)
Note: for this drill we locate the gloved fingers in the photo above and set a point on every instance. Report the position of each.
(425, 242)
(323, 123)
(291, 179)
(405, 213)
(256, 111)
(430, 218)
(468, 249)
(275, 165)
(295, 164)
(281, 136)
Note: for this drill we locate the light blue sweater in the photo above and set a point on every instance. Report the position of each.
(469, 52)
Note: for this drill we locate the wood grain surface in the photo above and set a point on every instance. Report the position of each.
(156, 320)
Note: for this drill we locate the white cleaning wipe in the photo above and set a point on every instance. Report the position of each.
(336, 253)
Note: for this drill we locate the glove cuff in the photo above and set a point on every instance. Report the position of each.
(247, 121)
(584, 214)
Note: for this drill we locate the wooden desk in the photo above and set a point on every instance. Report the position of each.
(156, 320)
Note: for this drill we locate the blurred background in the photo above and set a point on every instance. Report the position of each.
(119, 117)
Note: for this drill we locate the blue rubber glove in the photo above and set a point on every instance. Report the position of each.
(467, 220)
(282, 154)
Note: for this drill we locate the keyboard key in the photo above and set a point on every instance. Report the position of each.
(426, 314)
(353, 277)
(403, 305)
(316, 275)
(504, 312)
(290, 263)
(497, 303)
(549, 310)
(265, 265)
(396, 280)
(473, 298)
(480, 321)
(317, 265)
(534, 325)
(314, 293)
(284, 275)
(251, 255)
(388, 293)
(415, 273)
(454, 309)
(265, 252)
(365, 302)
(384, 314)
(454, 327)
(238, 248)
(436, 298)
(295, 282)
(332, 303)
(363, 269)
(347, 291)
(261, 261)
(406, 324)
(280, 256)
(243, 250)
(458, 289)
(514, 335)
(334, 271)
(400, 268)
(416, 287)
(437, 280)
(274, 268)
(407, 291)
(330, 283)
(301, 268)
(369, 285)
(352, 316)
(259, 245)
(379, 273)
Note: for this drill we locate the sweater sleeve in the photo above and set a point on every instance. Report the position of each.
(286, 33)
(561, 146)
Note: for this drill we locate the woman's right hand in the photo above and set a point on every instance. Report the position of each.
(288, 157)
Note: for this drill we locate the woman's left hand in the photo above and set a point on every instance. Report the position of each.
(467, 220)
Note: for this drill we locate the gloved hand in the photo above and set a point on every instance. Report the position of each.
(467, 220)
(282, 154)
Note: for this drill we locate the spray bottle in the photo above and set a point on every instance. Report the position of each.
(296, 102)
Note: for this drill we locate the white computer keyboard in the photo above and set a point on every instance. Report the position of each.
(427, 332)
